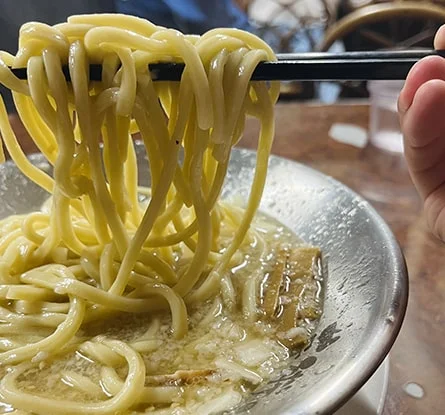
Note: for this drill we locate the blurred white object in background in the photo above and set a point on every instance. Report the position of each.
(285, 11)
(384, 126)
(349, 134)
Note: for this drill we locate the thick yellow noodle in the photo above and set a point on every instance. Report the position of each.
(95, 250)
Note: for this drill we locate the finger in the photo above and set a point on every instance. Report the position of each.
(439, 39)
(432, 67)
(425, 120)
(435, 212)
(424, 137)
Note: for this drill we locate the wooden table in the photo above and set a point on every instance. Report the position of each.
(382, 178)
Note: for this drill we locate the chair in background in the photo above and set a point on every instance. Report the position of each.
(374, 24)
(306, 25)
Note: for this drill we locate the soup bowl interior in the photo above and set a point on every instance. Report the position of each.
(366, 287)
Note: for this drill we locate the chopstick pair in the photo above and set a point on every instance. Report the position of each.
(353, 66)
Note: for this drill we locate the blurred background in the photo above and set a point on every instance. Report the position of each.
(287, 25)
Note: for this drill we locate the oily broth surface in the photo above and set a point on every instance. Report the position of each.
(219, 342)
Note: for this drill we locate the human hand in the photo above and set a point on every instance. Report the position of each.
(422, 117)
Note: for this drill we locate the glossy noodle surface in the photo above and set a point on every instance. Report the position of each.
(121, 299)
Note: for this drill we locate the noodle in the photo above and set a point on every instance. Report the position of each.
(94, 251)
(116, 298)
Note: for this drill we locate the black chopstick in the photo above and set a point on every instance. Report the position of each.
(368, 65)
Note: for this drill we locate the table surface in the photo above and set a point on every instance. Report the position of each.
(302, 134)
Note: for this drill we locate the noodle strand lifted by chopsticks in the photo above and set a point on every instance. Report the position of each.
(94, 250)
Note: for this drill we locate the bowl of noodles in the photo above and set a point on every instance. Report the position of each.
(176, 274)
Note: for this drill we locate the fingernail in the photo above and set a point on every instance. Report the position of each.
(402, 103)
